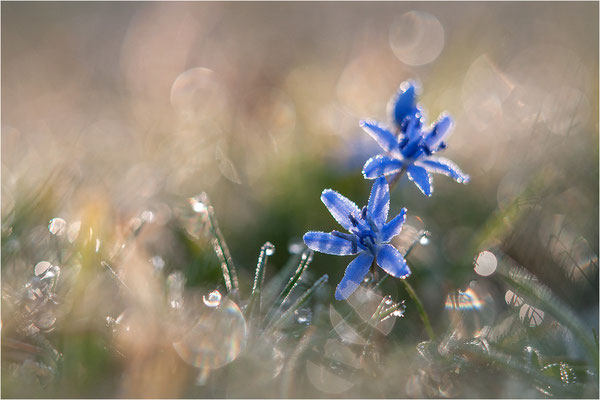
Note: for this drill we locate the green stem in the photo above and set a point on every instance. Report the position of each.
(420, 308)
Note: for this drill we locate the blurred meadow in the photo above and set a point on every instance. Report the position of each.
(114, 114)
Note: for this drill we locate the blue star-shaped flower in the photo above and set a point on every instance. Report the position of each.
(369, 236)
(408, 146)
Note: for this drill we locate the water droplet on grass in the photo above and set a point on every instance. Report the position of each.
(158, 263)
(57, 226)
(213, 299)
(197, 204)
(269, 249)
(147, 216)
(41, 268)
(303, 316)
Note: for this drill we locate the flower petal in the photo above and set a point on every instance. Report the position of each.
(403, 103)
(329, 244)
(438, 132)
(393, 227)
(392, 262)
(379, 201)
(355, 272)
(381, 165)
(340, 207)
(421, 178)
(440, 165)
(386, 139)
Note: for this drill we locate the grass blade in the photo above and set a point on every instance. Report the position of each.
(301, 300)
(201, 205)
(254, 304)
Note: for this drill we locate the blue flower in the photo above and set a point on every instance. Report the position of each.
(408, 146)
(369, 236)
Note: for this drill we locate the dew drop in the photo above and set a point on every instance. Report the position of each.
(303, 316)
(57, 226)
(388, 300)
(213, 299)
(147, 216)
(41, 268)
(269, 249)
(424, 240)
(532, 356)
(158, 263)
(197, 205)
(175, 284)
(368, 277)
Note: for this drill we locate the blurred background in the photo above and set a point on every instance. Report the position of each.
(115, 114)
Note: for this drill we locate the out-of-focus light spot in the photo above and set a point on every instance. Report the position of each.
(512, 185)
(411, 232)
(295, 247)
(216, 339)
(327, 376)
(486, 263)
(531, 316)
(175, 284)
(57, 226)
(571, 251)
(364, 85)
(343, 329)
(326, 381)
(197, 94)
(512, 299)
(158, 263)
(147, 216)
(484, 90)
(73, 231)
(565, 109)
(467, 300)
(41, 267)
(226, 166)
(416, 38)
